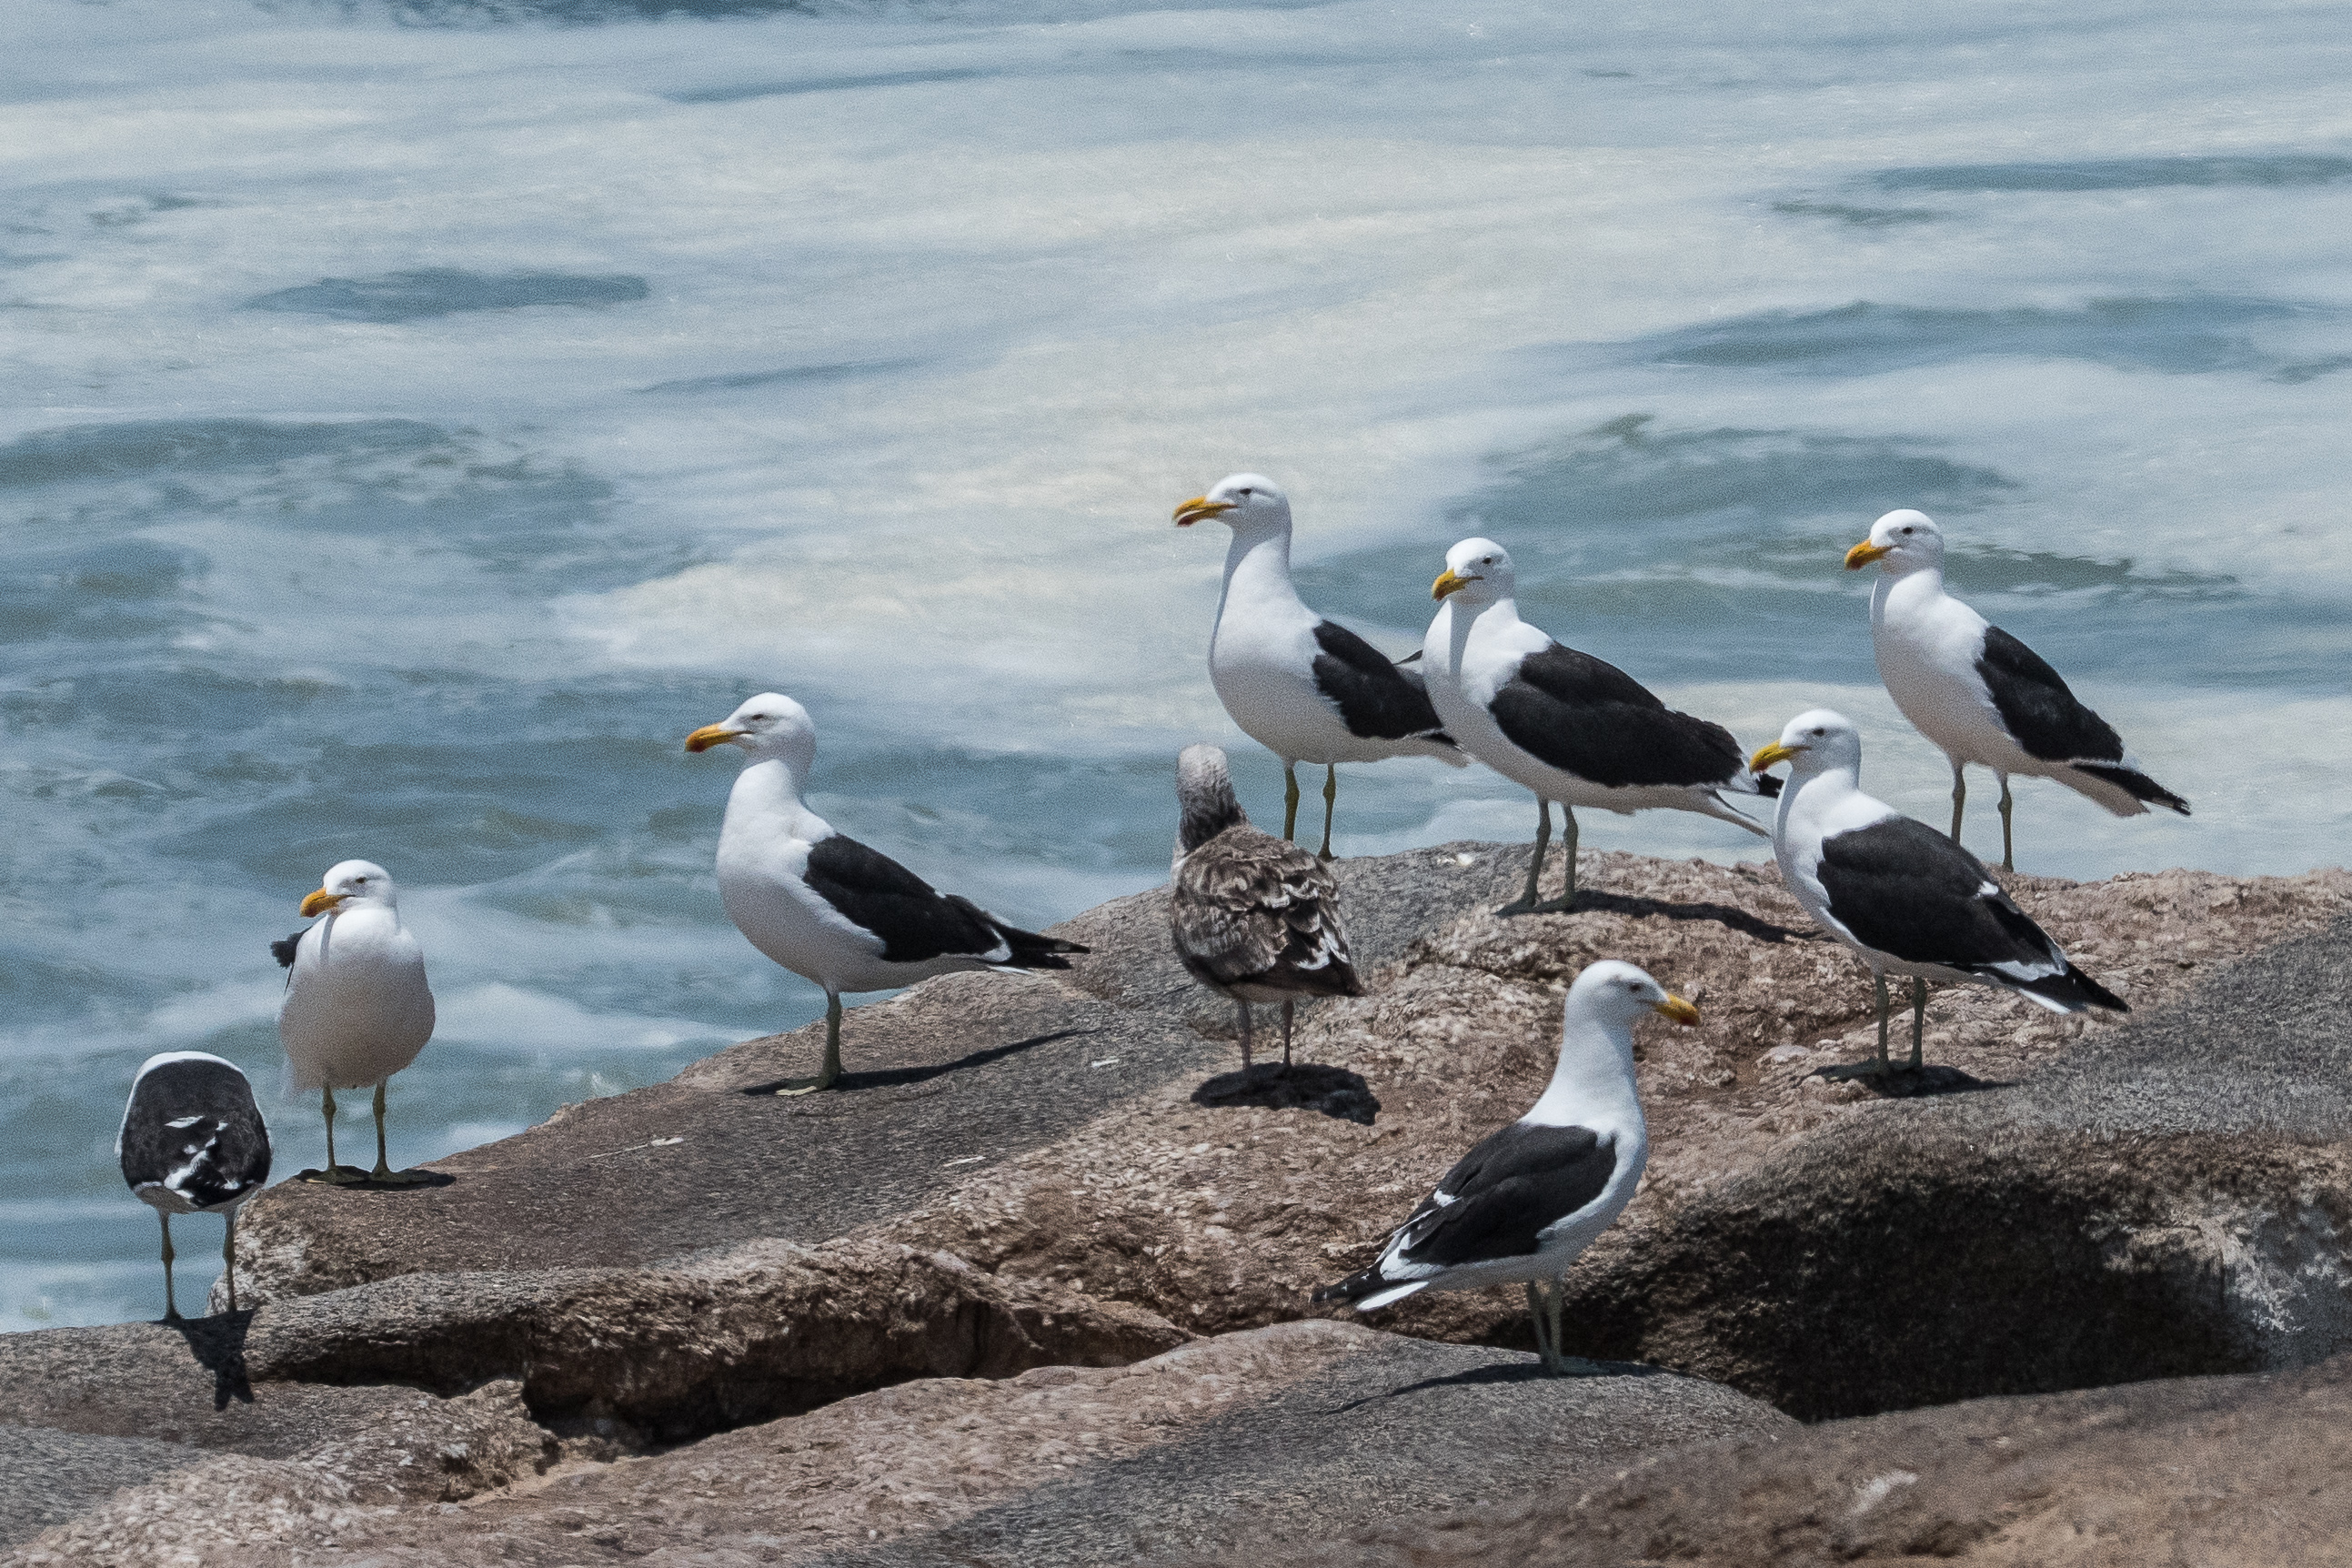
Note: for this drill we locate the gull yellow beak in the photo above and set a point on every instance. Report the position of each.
(320, 902)
(1199, 507)
(1863, 554)
(711, 735)
(1448, 582)
(1765, 756)
(1680, 1011)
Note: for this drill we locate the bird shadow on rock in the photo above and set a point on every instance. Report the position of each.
(906, 1077)
(1302, 1086)
(1909, 1083)
(1509, 1372)
(1739, 919)
(217, 1344)
(417, 1180)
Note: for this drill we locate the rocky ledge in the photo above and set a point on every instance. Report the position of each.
(1033, 1289)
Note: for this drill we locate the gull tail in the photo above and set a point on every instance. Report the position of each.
(2068, 991)
(1031, 951)
(2133, 782)
(1367, 1290)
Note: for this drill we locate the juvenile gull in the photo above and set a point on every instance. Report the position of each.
(1306, 689)
(193, 1142)
(1519, 1207)
(1254, 918)
(1568, 726)
(1980, 694)
(824, 905)
(357, 1008)
(1905, 898)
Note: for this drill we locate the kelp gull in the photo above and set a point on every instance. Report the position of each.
(824, 905)
(1254, 918)
(193, 1142)
(1568, 726)
(1306, 689)
(1519, 1207)
(357, 1009)
(1980, 694)
(1905, 898)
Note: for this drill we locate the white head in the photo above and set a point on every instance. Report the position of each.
(1596, 1036)
(1615, 993)
(1900, 542)
(1814, 741)
(1248, 503)
(1480, 571)
(352, 883)
(770, 725)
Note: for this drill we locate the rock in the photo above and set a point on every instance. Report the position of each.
(946, 1081)
(1283, 1434)
(1304, 1086)
(2215, 1471)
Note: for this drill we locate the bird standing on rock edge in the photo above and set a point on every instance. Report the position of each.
(357, 1009)
(1568, 726)
(1978, 693)
(1254, 918)
(824, 905)
(1306, 689)
(193, 1142)
(1521, 1205)
(1907, 899)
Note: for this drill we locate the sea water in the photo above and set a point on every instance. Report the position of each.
(418, 418)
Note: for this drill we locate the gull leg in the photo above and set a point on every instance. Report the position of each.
(1246, 1033)
(333, 1173)
(832, 1068)
(1567, 899)
(228, 1255)
(1286, 1035)
(170, 1307)
(1918, 1018)
(1289, 801)
(1872, 1069)
(1536, 1315)
(1960, 795)
(383, 1173)
(2008, 845)
(1559, 1302)
(1526, 902)
(1330, 798)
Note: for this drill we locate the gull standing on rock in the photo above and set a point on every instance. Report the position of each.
(1254, 918)
(1568, 726)
(357, 1009)
(1519, 1207)
(1905, 898)
(1307, 690)
(1980, 694)
(193, 1142)
(824, 905)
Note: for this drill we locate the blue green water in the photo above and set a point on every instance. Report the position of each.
(419, 418)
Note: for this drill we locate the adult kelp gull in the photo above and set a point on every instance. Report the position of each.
(1306, 689)
(824, 905)
(193, 1142)
(1905, 897)
(1519, 1207)
(1568, 726)
(357, 1009)
(1980, 694)
(1254, 918)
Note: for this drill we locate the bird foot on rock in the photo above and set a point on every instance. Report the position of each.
(1547, 907)
(1870, 1069)
(383, 1176)
(799, 1086)
(334, 1175)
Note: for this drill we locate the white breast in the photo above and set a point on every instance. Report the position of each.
(357, 1007)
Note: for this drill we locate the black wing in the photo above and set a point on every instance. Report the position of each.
(283, 949)
(1905, 890)
(218, 1154)
(915, 921)
(1506, 1191)
(2040, 714)
(1375, 698)
(1588, 718)
(1247, 906)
